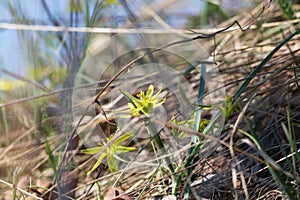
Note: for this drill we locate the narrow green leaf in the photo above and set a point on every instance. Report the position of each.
(131, 98)
(112, 163)
(123, 138)
(260, 66)
(51, 158)
(150, 91)
(121, 149)
(287, 9)
(97, 164)
(93, 150)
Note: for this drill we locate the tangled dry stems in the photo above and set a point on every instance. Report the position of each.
(274, 91)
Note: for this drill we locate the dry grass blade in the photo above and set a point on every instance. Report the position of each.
(20, 190)
(255, 156)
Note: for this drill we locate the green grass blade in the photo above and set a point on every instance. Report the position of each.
(201, 92)
(286, 186)
(195, 139)
(260, 66)
(53, 166)
(5, 124)
(287, 9)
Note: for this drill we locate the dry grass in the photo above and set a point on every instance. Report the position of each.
(224, 174)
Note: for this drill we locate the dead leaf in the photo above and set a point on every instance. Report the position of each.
(116, 193)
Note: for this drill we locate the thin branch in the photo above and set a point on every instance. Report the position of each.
(26, 27)
(25, 79)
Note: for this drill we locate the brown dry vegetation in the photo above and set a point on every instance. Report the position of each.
(236, 170)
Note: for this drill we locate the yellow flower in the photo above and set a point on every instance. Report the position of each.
(110, 151)
(8, 85)
(144, 103)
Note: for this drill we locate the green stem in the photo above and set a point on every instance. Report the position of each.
(195, 139)
(151, 128)
(5, 123)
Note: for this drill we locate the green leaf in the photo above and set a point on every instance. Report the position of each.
(110, 151)
(75, 6)
(131, 98)
(203, 124)
(252, 75)
(110, 2)
(287, 9)
(112, 164)
(123, 138)
(97, 164)
(93, 150)
(159, 103)
(51, 159)
(150, 91)
(125, 149)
